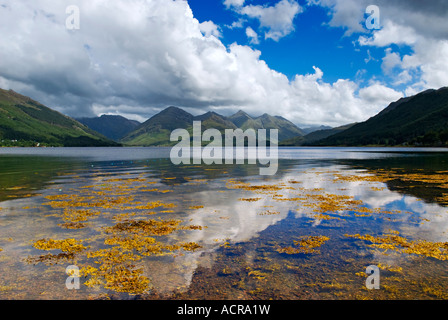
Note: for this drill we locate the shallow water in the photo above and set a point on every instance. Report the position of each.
(138, 226)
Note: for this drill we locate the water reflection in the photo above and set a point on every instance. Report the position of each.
(409, 215)
(245, 221)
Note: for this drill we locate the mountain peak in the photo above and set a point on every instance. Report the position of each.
(209, 115)
(112, 126)
(239, 118)
(161, 123)
(264, 116)
(172, 109)
(171, 113)
(214, 120)
(240, 113)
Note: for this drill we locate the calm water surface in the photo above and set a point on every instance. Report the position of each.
(138, 226)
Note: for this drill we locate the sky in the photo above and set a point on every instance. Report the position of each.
(314, 62)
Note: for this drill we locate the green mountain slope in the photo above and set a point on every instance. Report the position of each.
(156, 131)
(244, 121)
(286, 129)
(25, 122)
(240, 118)
(215, 120)
(111, 126)
(420, 120)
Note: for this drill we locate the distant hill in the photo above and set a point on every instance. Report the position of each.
(113, 127)
(25, 122)
(315, 128)
(325, 133)
(419, 120)
(156, 130)
(314, 136)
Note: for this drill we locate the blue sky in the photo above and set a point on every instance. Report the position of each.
(313, 62)
(312, 43)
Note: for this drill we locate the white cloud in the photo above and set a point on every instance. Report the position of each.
(135, 57)
(233, 3)
(433, 58)
(252, 35)
(348, 14)
(389, 34)
(209, 28)
(369, 57)
(337, 102)
(237, 24)
(390, 61)
(429, 59)
(425, 18)
(377, 93)
(278, 19)
(420, 25)
(403, 77)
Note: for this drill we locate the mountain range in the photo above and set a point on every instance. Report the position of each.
(419, 120)
(156, 130)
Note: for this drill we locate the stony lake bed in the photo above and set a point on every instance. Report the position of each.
(135, 226)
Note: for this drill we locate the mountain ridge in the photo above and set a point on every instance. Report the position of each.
(156, 132)
(418, 120)
(113, 127)
(26, 122)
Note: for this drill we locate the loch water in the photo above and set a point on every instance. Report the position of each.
(136, 226)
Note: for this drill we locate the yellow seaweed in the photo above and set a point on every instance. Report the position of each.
(394, 242)
(305, 245)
